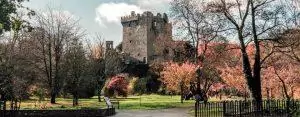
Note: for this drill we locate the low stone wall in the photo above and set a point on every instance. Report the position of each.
(58, 113)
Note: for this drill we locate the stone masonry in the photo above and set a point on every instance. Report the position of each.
(146, 37)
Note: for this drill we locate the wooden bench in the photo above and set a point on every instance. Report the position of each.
(111, 103)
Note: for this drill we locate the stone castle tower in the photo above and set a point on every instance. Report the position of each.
(145, 36)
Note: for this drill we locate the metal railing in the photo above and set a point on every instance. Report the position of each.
(265, 108)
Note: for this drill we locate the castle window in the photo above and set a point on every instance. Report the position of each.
(130, 41)
(139, 54)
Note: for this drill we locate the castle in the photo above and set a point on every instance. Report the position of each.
(145, 35)
(147, 38)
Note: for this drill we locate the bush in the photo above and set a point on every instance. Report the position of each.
(87, 87)
(40, 93)
(297, 114)
(132, 82)
(162, 90)
(105, 90)
(140, 86)
(118, 84)
(153, 85)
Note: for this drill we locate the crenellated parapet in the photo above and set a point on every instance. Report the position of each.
(132, 17)
(145, 17)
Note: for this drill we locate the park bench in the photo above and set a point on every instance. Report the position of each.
(111, 103)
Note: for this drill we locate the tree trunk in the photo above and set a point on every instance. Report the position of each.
(75, 99)
(11, 104)
(53, 96)
(16, 105)
(99, 95)
(245, 96)
(181, 90)
(4, 105)
(256, 91)
(19, 106)
(285, 90)
(246, 63)
(99, 90)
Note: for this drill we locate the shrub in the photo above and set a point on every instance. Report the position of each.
(87, 87)
(105, 89)
(140, 86)
(162, 89)
(153, 85)
(118, 84)
(297, 114)
(40, 93)
(132, 82)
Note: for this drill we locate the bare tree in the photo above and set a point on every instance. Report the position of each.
(194, 22)
(288, 39)
(14, 66)
(252, 22)
(200, 28)
(56, 28)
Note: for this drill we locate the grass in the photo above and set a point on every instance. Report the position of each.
(62, 104)
(153, 102)
(143, 102)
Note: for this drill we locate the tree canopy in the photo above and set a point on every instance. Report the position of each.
(7, 8)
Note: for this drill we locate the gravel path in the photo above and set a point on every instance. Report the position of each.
(174, 112)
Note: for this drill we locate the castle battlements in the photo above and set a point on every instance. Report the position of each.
(145, 15)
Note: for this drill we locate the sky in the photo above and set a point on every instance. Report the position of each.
(101, 16)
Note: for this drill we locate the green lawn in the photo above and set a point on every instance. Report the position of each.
(153, 102)
(131, 102)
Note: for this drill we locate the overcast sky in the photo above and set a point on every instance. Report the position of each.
(101, 16)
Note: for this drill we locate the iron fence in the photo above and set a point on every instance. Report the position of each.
(265, 108)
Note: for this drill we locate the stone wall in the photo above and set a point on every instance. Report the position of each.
(145, 36)
(135, 41)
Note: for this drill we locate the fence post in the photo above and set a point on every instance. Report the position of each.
(1, 109)
(224, 108)
(288, 107)
(240, 108)
(196, 109)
